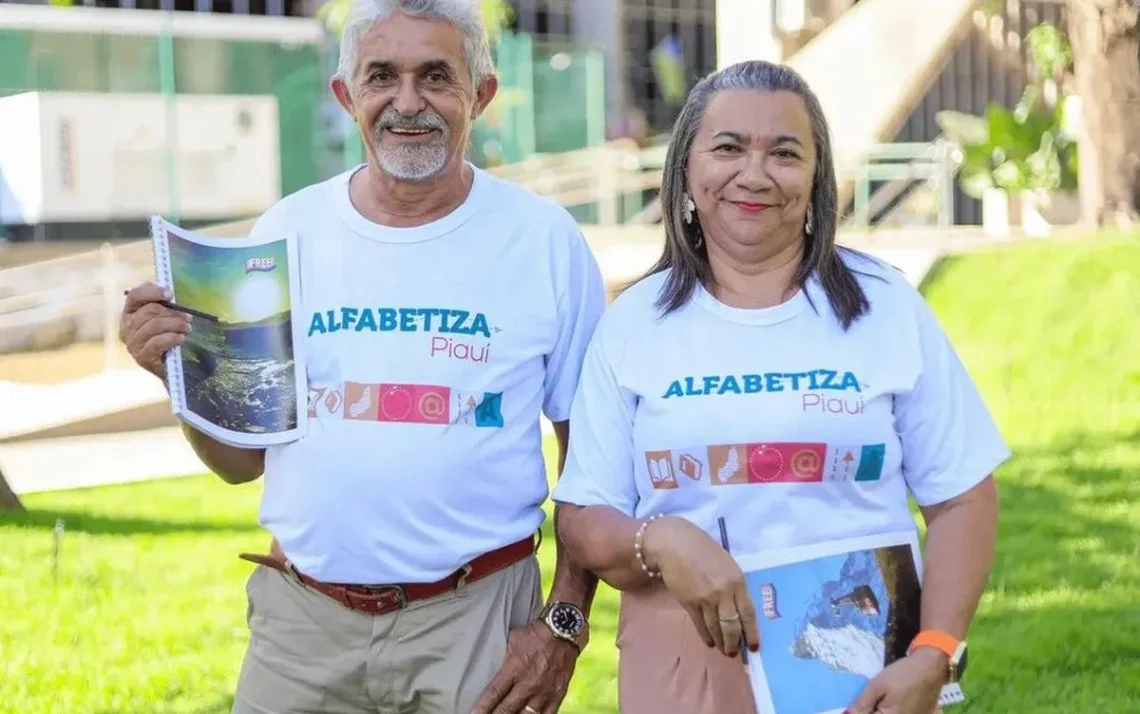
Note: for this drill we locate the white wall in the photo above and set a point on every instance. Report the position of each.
(597, 24)
(746, 30)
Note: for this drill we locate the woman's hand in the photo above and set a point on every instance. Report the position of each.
(908, 686)
(706, 581)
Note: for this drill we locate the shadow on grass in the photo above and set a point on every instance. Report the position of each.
(1058, 527)
(223, 705)
(1055, 659)
(81, 522)
(1084, 441)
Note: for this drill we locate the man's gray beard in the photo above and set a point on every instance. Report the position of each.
(411, 162)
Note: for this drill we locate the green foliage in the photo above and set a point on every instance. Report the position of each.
(1032, 146)
(497, 14)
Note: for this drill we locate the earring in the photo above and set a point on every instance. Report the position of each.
(809, 224)
(700, 239)
(688, 209)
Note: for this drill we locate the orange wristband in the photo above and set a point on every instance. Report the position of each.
(938, 640)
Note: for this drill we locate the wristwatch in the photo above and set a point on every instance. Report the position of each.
(948, 645)
(567, 622)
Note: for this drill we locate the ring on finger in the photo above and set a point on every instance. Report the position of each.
(730, 618)
(529, 709)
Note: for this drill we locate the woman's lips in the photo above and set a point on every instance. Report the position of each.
(750, 207)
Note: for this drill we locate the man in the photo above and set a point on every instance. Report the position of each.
(445, 310)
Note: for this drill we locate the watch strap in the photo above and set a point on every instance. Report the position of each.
(940, 641)
(952, 647)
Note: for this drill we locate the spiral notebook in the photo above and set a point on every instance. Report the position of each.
(240, 375)
(831, 617)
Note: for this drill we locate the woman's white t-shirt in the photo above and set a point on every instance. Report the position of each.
(792, 429)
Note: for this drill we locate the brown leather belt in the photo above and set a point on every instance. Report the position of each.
(381, 599)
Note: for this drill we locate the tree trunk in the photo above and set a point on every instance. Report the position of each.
(9, 501)
(1105, 36)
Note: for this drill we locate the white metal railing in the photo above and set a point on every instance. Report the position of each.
(898, 166)
(604, 175)
(81, 295)
(932, 164)
(152, 23)
(72, 305)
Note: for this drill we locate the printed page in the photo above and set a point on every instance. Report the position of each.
(832, 617)
(242, 367)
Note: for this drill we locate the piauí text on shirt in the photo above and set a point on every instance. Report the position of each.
(455, 334)
(825, 390)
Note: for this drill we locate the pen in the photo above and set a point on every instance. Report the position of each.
(724, 544)
(187, 310)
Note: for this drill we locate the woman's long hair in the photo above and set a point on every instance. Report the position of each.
(689, 265)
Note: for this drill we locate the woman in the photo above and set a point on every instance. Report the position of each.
(726, 384)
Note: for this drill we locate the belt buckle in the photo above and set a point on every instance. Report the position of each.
(401, 597)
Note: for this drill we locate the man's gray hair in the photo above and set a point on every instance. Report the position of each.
(465, 15)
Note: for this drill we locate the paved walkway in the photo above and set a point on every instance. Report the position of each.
(104, 459)
(82, 461)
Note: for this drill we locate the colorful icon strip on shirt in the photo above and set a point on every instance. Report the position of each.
(406, 404)
(762, 463)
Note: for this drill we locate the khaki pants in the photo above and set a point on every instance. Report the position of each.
(310, 655)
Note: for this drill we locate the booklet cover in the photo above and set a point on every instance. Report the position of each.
(832, 616)
(240, 375)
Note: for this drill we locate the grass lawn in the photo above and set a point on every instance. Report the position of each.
(147, 615)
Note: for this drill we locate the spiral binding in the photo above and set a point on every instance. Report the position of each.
(165, 278)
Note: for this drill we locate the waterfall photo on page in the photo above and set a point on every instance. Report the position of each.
(831, 617)
(239, 371)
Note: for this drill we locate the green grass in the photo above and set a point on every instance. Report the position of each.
(1051, 333)
(147, 615)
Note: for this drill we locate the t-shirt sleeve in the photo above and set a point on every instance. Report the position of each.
(950, 442)
(599, 461)
(581, 301)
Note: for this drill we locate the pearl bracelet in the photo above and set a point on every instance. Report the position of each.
(649, 572)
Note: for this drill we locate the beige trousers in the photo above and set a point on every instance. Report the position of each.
(665, 668)
(310, 655)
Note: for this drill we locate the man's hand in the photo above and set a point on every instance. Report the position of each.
(149, 330)
(534, 677)
(908, 686)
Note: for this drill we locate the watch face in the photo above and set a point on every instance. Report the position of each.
(567, 620)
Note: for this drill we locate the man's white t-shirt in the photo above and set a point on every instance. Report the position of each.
(791, 429)
(431, 352)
